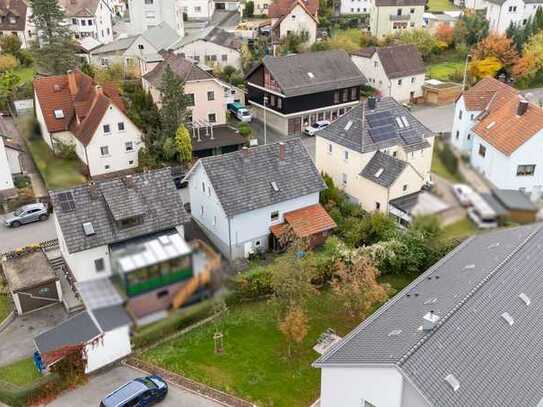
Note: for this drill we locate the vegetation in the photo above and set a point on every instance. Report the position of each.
(5, 303)
(350, 40)
(244, 129)
(183, 144)
(20, 373)
(446, 71)
(440, 5)
(249, 10)
(492, 54)
(459, 230)
(444, 170)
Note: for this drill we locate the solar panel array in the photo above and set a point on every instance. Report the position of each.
(379, 119)
(382, 133)
(66, 200)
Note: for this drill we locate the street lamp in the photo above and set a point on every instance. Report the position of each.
(265, 117)
(465, 72)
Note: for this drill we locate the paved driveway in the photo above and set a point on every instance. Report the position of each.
(436, 118)
(26, 234)
(100, 385)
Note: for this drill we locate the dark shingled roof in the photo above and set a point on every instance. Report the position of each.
(388, 168)
(112, 317)
(182, 67)
(152, 193)
(330, 70)
(223, 136)
(16, 9)
(243, 180)
(398, 60)
(357, 137)
(496, 364)
(514, 200)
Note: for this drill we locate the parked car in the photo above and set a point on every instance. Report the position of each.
(26, 214)
(140, 392)
(462, 193)
(315, 127)
(240, 112)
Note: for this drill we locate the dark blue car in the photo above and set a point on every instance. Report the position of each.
(140, 392)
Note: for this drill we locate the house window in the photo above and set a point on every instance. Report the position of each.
(460, 115)
(120, 126)
(203, 186)
(525, 170)
(457, 134)
(471, 116)
(375, 63)
(482, 150)
(353, 93)
(190, 99)
(399, 12)
(148, 2)
(129, 146)
(404, 188)
(469, 136)
(90, 23)
(211, 95)
(214, 220)
(196, 58)
(274, 216)
(413, 79)
(202, 210)
(345, 95)
(412, 11)
(224, 57)
(377, 206)
(131, 162)
(106, 167)
(74, 21)
(368, 404)
(344, 179)
(83, 22)
(140, 46)
(104, 150)
(346, 155)
(106, 128)
(330, 148)
(212, 117)
(399, 82)
(99, 265)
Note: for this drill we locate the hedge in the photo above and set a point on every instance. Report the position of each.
(20, 396)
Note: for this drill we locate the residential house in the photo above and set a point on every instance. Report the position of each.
(211, 46)
(133, 51)
(198, 9)
(72, 109)
(377, 153)
(7, 188)
(394, 16)
(14, 154)
(262, 7)
(228, 5)
(89, 18)
(502, 13)
(501, 133)
(294, 17)
(239, 199)
(145, 14)
(15, 20)
(453, 337)
(433, 21)
(347, 7)
(397, 71)
(293, 91)
(471, 4)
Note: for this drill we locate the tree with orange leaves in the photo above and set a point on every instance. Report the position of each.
(496, 47)
(445, 33)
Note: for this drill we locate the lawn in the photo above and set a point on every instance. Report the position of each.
(460, 229)
(443, 70)
(439, 169)
(255, 365)
(20, 373)
(57, 172)
(440, 5)
(5, 305)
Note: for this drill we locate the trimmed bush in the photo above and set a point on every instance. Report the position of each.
(251, 285)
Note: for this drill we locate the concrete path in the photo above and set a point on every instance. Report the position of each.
(104, 383)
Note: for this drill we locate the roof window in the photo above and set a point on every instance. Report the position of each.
(274, 186)
(525, 299)
(348, 125)
(88, 228)
(453, 382)
(59, 114)
(379, 172)
(508, 318)
(310, 74)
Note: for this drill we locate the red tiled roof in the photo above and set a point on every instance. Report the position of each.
(479, 96)
(305, 221)
(283, 7)
(82, 107)
(509, 130)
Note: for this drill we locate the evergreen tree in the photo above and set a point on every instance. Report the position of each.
(183, 144)
(174, 102)
(54, 52)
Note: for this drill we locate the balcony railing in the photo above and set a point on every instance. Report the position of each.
(403, 17)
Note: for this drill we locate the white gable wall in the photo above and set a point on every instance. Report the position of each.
(354, 7)
(209, 53)
(298, 21)
(113, 345)
(6, 182)
(464, 120)
(511, 11)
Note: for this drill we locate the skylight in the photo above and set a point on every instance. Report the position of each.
(491, 125)
(395, 332)
(469, 266)
(88, 228)
(310, 74)
(525, 299)
(379, 172)
(274, 186)
(453, 382)
(405, 122)
(399, 123)
(508, 318)
(59, 114)
(348, 125)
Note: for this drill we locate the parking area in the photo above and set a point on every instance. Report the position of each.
(104, 383)
(13, 238)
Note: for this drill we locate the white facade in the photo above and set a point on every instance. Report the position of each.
(472, 4)
(402, 89)
(262, 7)
(210, 53)
(98, 26)
(28, 33)
(129, 57)
(464, 121)
(386, 20)
(501, 170)
(6, 182)
(198, 9)
(298, 21)
(354, 7)
(145, 14)
(14, 160)
(376, 385)
(510, 12)
(112, 346)
(241, 234)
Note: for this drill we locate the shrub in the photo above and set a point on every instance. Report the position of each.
(448, 159)
(7, 62)
(245, 130)
(251, 285)
(21, 181)
(66, 151)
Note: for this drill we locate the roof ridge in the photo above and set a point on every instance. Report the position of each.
(468, 296)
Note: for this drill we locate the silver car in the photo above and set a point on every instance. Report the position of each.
(26, 214)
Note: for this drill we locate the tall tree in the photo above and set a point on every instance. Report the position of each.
(174, 102)
(183, 144)
(54, 51)
(470, 29)
(497, 46)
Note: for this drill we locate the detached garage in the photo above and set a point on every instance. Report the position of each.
(32, 282)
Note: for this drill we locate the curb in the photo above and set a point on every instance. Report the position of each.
(8, 320)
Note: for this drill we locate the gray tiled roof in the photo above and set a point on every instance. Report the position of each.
(74, 331)
(330, 70)
(121, 44)
(397, 60)
(388, 168)
(112, 317)
(513, 199)
(156, 196)
(242, 180)
(161, 36)
(357, 136)
(212, 34)
(496, 364)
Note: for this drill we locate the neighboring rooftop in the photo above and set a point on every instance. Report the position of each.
(181, 66)
(312, 72)
(363, 129)
(280, 8)
(257, 177)
(397, 60)
(478, 97)
(399, 3)
(223, 136)
(79, 8)
(305, 222)
(28, 271)
(13, 14)
(383, 169)
(86, 214)
(212, 34)
(513, 199)
(466, 295)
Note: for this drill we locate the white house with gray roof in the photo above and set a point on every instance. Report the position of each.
(237, 198)
(465, 333)
(502, 13)
(377, 152)
(145, 14)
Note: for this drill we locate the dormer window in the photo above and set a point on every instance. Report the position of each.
(13, 20)
(59, 114)
(129, 222)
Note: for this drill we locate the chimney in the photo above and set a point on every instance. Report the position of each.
(72, 83)
(281, 151)
(372, 102)
(99, 90)
(429, 321)
(522, 107)
(93, 191)
(245, 152)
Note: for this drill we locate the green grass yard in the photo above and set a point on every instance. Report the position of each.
(20, 373)
(439, 169)
(255, 365)
(461, 229)
(5, 306)
(440, 5)
(25, 74)
(443, 70)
